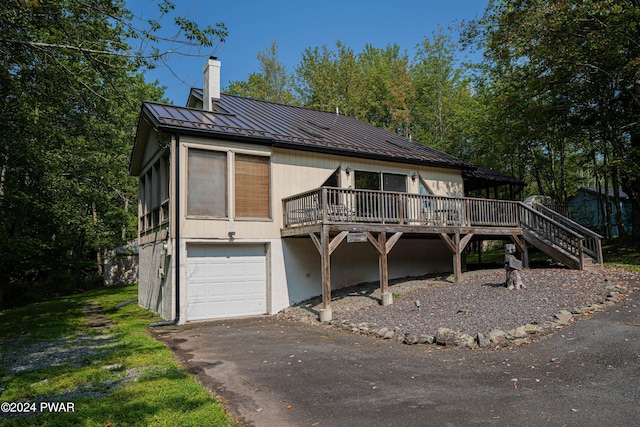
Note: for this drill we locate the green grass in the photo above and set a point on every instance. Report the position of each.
(125, 377)
(622, 252)
(618, 252)
(494, 258)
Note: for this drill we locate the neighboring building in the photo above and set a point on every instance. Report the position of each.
(589, 208)
(245, 205)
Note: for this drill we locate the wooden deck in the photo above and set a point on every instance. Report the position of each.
(409, 212)
(330, 215)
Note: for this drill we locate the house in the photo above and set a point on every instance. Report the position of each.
(589, 208)
(247, 207)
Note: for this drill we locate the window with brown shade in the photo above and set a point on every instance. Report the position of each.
(207, 183)
(252, 186)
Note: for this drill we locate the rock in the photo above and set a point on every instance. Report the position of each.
(114, 367)
(364, 331)
(387, 335)
(519, 332)
(564, 317)
(613, 297)
(382, 332)
(483, 341)
(448, 337)
(530, 328)
(410, 339)
(498, 336)
(426, 339)
(551, 325)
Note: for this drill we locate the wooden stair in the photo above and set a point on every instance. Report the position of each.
(561, 238)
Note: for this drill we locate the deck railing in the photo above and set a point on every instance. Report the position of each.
(340, 205)
(592, 240)
(553, 232)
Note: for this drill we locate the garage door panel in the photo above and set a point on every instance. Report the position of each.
(225, 281)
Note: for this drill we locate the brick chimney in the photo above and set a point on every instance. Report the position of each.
(211, 87)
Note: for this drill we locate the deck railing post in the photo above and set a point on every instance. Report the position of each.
(467, 216)
(285, 215)
(325, 204)
(580, 254)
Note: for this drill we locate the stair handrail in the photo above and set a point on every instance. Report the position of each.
(594, 249)
(576, 250)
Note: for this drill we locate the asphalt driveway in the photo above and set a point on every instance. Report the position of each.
(277, 373)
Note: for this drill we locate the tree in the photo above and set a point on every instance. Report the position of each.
(330, 81)
(443, 110)
(576, 66)
(386, 88)
(71, 87)
(273, 83)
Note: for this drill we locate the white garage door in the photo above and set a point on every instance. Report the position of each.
(226, 281)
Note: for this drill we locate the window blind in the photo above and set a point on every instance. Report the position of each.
(207, 183)
(252, 186)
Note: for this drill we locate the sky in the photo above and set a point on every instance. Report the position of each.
(297, 25)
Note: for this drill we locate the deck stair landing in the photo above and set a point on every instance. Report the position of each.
(561, 238)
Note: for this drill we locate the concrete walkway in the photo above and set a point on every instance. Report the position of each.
(276, 373)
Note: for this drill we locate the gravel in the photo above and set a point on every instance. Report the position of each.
(480, 304)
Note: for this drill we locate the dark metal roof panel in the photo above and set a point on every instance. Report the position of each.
(483, 176)
(298, 127)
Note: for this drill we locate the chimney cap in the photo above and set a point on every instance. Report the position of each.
(215, 58)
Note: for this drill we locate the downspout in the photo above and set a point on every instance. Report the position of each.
(176, 249)
(177, 228)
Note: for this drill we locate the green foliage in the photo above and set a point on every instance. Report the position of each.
(564, 85)
(273, 83)
(622, 252)
(71, 86)
(121, 376)
(444, 110)
(328, 80)
(430, 99)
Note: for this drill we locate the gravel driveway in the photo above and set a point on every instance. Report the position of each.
(479, 304)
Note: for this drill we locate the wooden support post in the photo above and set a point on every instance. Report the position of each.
(456, 245)
(387, 298)
(325, 256)
(384, 246)
(457, 259)
(326, 246)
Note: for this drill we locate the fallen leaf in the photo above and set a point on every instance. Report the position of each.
(289, 406)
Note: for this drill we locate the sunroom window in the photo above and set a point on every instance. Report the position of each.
(207, 183)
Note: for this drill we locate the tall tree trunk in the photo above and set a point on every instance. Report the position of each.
(98, 253)
(607, 200)
(616, 200)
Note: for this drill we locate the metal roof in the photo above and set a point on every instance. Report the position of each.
(483, 177)
(296, 128)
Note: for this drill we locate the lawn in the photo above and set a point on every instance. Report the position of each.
(115, 376)
(618, 252)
